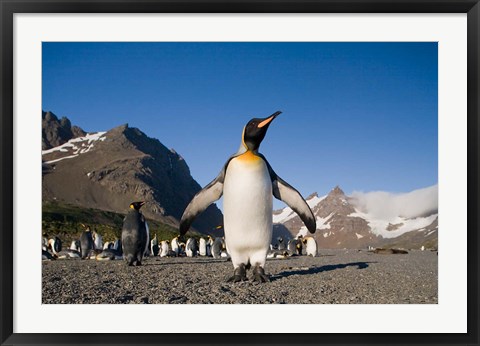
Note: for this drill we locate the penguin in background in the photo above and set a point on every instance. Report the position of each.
(164, 248)
(208, 247)
(135, 235)
(191, 248)
(154, 249)
(108, 245)
(217, 248)
(75, 245)
(294, 249)
(117, 246)
(69, 254)
(175, 246)
(247, 183)
(182, 246)
(55, 244)
(47, 256)
(299, 245)
(97, 240)
(86, 242)
(310, 246)
(44, 244)
(202, 247)
(281, 244)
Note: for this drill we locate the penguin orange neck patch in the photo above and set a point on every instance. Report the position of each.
(249, 156)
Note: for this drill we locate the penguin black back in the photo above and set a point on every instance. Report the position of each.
(134, 235)
(86, 242)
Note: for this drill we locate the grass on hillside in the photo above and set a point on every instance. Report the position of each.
(66, 221)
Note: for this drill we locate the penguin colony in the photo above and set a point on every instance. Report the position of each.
(247, 182)
(214, 248)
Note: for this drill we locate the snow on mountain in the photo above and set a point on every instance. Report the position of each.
(391, 215)
(365, 219)
(287, 213)
(396, 226)
(73, 147)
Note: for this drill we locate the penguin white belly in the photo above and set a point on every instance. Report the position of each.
(247, 206)
(311, 247)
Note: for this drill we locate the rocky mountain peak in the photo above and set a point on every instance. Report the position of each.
(56, 131)
(336, 191)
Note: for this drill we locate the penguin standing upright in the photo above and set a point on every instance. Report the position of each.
(164, 248)
(311, 246)
(202, 247)
(208, 247)
(97, 240)
(135, 235)
(247, 182)
(86, 242)
(191, 248)
(217, 248)
(154, 249)
(175, 247)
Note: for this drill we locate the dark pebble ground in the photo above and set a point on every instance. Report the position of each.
(334, 277)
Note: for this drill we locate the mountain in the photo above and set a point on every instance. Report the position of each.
(109, 170)
(56, 132)
(362, 220)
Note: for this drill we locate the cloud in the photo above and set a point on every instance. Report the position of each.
(386, 205)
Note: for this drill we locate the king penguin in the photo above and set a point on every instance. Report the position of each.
(247, 183)
(86, 242)
(135, 235)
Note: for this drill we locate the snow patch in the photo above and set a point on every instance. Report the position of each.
(379, 225)
(79, 145)
(62, 158)
(323, 223)
(359, 236)
(90, 138)
(287, 213)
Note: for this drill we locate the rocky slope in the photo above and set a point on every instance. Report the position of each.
(109, 170)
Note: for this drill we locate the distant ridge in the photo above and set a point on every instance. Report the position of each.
(342, 224)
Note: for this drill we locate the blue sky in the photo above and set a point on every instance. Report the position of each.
(359, 115)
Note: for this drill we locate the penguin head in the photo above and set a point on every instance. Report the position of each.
(136, 205)
(255, 130)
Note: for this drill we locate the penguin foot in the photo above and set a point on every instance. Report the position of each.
(239, 274)
(259, 275)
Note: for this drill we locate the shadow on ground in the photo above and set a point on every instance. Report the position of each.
(316, 270)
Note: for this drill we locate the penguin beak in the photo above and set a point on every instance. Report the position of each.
(269, 119)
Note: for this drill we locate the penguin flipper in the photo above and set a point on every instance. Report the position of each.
(288, 194)
(209, 194)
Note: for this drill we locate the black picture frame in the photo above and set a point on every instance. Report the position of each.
(10, 7)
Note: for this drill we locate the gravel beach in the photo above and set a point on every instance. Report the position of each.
(334, 277)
